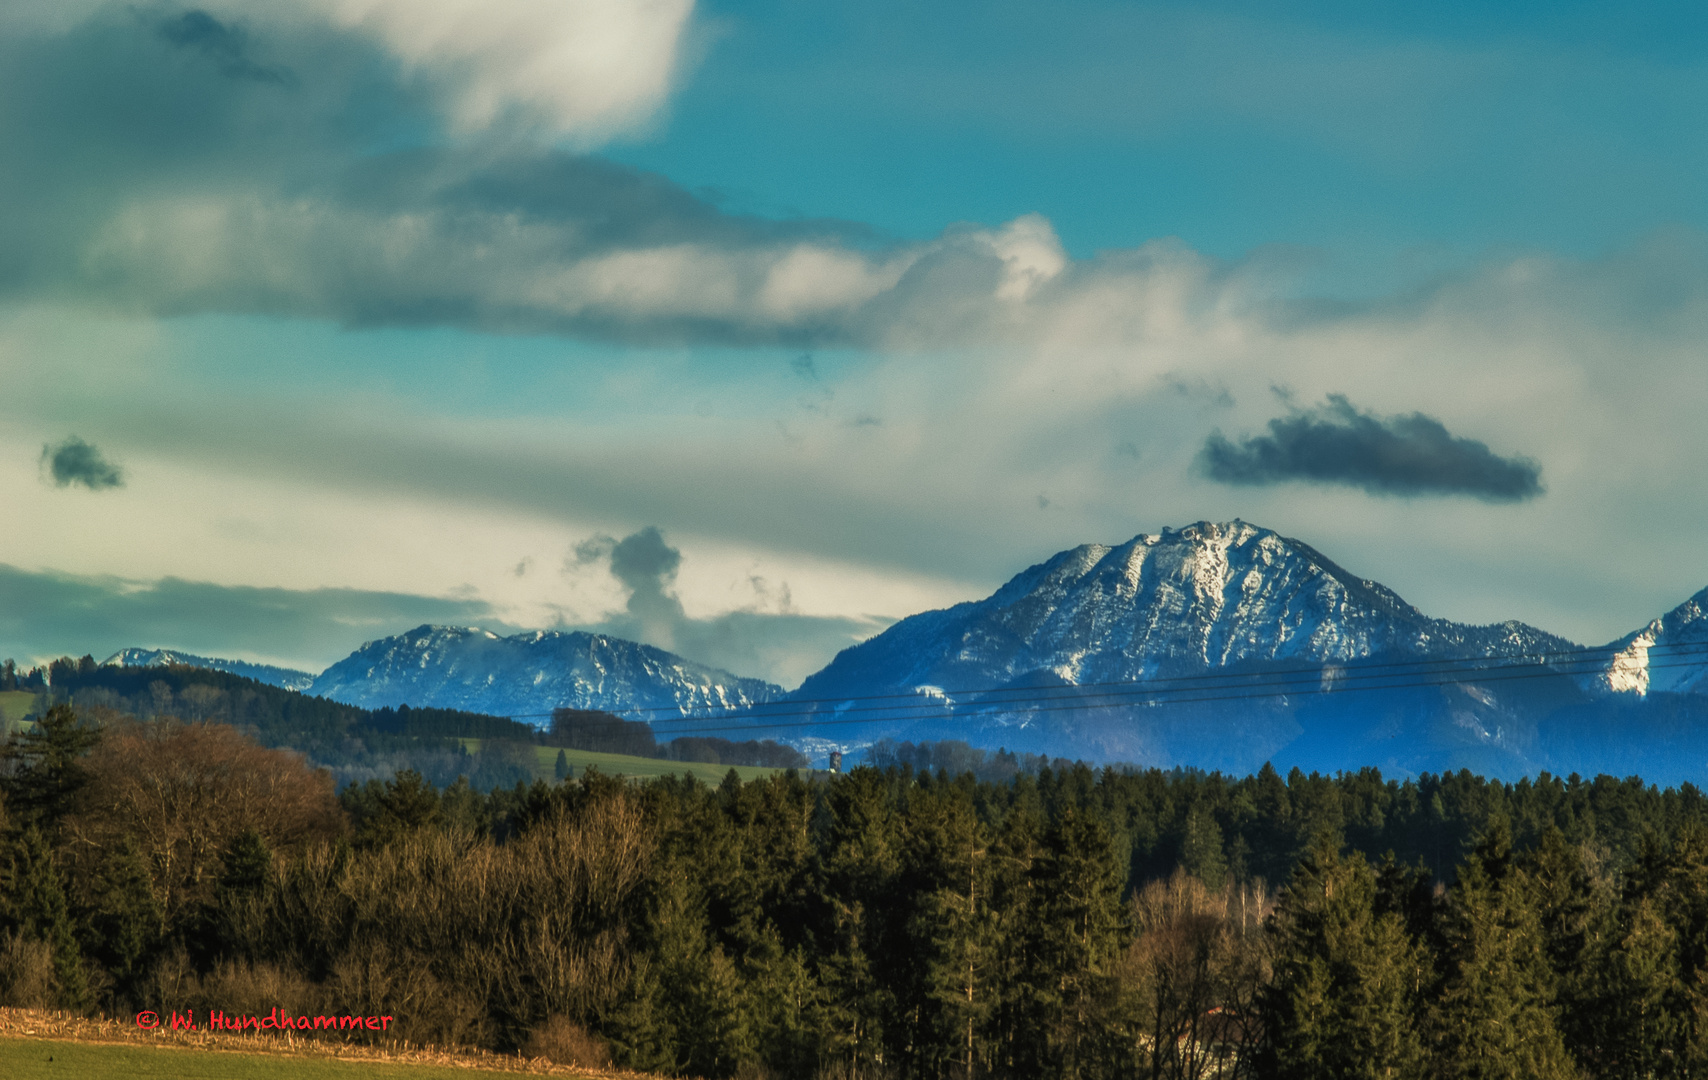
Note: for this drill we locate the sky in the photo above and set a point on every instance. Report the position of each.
(745, 329)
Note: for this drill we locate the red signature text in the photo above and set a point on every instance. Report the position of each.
(219, 1020)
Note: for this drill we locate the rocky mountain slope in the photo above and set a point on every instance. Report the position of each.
(1216, 646)
(1206, 598)
(1670, 655)
(288, 678)
(528, 675)
(1226, 645)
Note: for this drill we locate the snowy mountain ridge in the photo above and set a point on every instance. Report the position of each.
(1205, 598)
(1670, 655)
(530, 674)
(1029, 667)
(1072, 657)
(289, 678)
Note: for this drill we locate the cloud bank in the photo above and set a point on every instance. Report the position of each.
(48, 614)
(296, 167)
(1335, 443)
(779, 644)
(77, 462)
(584, 70)
(588, 68)
(1007, 400)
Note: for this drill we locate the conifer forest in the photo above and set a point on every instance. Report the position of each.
(907, 920)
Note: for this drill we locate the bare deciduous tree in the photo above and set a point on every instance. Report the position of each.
(186, 791)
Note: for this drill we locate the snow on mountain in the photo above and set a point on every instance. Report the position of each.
(288, 678)
(1670, 655)
(1049, 664)
(1030, 667)
(528, 675)
(1205, 598)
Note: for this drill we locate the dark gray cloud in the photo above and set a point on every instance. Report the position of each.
(647, 568)
(150, 161)
(1335, 443)
(77, 462)
(783, 645)
(226, 46)
(50, 614)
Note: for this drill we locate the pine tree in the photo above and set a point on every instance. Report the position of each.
(405, 804)
(1684, 901)
(1201, 853)
(1347, 978)
(562, 769)
(1636, 980)
(125, 921)
(1494, 1007)
(36, 907)
(1271, 826)
(1013, 855)
(951, 933)
(1572, 916)
(859, 919)
(44, 771)
(1074, 932)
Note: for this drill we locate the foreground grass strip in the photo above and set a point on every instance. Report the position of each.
(37, 1059)
(36, 1043)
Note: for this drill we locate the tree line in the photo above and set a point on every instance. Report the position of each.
(894, 922)
(359, 744)
(594, 729)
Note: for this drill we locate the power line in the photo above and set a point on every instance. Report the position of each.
(1295, 682)
(1036, 705)
(1345, 671)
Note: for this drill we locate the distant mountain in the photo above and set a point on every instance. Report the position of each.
(1226, 645)
(1215, 646)
(1670, 655)
(528, 675)
(1206, 598)
(273, 676)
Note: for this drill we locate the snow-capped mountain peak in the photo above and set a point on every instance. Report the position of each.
(1670, 654)
(530, 674)
(1203, 598)
(288, 678)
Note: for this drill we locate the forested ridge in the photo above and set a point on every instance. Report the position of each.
(889, 922)
(359, 744)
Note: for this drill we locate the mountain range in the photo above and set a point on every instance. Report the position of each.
(1222, 646)
(528, 675)
(1215, 646)
(289, 678)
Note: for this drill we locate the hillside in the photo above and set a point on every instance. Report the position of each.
(1223, 646)
(529, 675)
(359, 744)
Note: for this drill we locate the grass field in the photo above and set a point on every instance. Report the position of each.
(39, 1059)
(14, 704)
(37, 1043)
(638, 768)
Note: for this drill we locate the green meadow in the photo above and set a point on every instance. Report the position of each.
(635, 768)
(39, 1059)
(14, 706)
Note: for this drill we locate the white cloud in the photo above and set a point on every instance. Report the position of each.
(585, 68)
(1031, 254)
(1095, 393)
(813, 279)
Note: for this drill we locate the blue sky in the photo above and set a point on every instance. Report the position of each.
(1422, 135)
(323, 318)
